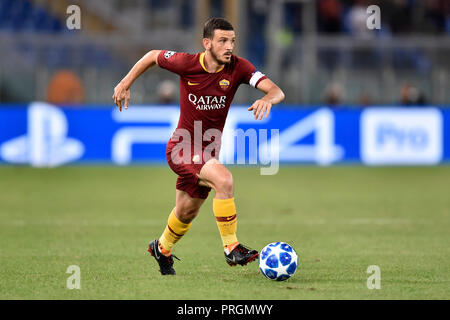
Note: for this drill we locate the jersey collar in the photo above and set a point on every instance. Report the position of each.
(202, 62)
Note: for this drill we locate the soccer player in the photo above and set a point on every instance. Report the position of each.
(208, 82)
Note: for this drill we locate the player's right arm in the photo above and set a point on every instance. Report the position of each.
(122, 90)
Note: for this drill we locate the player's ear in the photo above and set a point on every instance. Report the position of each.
(207, 43)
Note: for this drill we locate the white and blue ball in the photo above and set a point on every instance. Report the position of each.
(278, 261)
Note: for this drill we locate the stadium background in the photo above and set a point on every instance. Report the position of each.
(365, 98)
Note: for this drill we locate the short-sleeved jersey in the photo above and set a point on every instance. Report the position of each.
(205, 96)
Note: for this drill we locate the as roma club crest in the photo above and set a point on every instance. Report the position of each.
(224, 84)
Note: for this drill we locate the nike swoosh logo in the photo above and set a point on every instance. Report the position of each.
(193, 83)
(156, 253)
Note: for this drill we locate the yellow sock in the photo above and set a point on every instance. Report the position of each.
(225, 212)
(173, 232)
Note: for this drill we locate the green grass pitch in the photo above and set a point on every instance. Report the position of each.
(340, 220)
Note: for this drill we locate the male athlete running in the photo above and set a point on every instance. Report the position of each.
(208, 82)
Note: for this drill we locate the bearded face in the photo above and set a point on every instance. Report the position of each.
(221, 46)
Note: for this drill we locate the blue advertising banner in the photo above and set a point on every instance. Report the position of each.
(44, 135)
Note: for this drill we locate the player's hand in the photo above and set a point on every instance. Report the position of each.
(260, 107)
(121, 93)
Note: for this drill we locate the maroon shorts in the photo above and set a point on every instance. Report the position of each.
(187, 172)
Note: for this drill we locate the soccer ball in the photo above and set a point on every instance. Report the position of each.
(278, 261)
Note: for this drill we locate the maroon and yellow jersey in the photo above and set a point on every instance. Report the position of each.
(205, 96)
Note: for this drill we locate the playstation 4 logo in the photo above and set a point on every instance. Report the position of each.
(46, 143)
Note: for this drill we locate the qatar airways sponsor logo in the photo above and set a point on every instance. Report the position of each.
(207, 102)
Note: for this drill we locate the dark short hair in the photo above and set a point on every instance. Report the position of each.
(214, 24)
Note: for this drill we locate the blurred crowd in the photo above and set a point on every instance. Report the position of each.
(398, 16)
(410, 95)
(70, 69)
(333, 16)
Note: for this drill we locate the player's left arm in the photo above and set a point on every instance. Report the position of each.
(273, 96)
